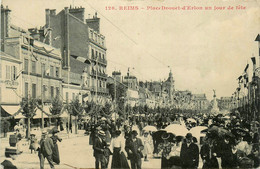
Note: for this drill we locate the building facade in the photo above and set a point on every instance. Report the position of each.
(79, 37)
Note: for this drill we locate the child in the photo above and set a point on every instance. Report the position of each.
(33, 143)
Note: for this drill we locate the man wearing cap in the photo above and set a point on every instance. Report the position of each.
(99, 147)
(134, 147)
(46, 147)
(189, 153)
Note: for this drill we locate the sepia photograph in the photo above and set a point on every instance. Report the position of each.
(120, 84)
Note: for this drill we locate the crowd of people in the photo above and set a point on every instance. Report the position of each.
(228, 141)
(224, 141)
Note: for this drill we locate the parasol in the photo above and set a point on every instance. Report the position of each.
(178, 130)
(191, 120)
(149, 128)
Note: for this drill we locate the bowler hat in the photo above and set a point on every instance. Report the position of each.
(189, 136)
(134, 132)
(55, 131)
(102, 133)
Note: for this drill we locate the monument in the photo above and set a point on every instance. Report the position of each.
(215, 109)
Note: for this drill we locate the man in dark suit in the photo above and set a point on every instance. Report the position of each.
(45, 151)
(189, 153)
(134, 147)
(99, 146)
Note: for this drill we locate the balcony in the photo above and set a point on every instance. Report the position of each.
(99, 89)
(93, 73)
(102, 61)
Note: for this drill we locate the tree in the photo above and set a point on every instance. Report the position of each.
(76, 109)
(56, 106)
(29, 110)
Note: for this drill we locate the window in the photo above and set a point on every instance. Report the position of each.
(67, 96)
(26, 65)
(57, 72)
(26, 89)
(0, 73)
(13, 72)
(52, 91)
(99, 56)
(52, 71)
(33, 67)
(96, 54)
(33, 90)
(44, 91)
(73, 96)
(43, 68)
(57, 92)
(8, 76)
(103, 57)
(92, 54)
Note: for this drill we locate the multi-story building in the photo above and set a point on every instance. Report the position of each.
(201, 102)
(77, 37)
(225, 103)
(40, 63)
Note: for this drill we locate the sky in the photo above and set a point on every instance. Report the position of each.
(205, 49)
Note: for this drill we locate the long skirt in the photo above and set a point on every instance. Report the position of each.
(55, 154)
(119, 160)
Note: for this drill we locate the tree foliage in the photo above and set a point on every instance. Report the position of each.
(56, 106)
(29, 107)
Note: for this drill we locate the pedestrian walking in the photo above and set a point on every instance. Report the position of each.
(148, 142)
(189, 153)
(99, 148)
(134, 147)
(117, 146)
(55, 138)
(46, 150)
(209, 154)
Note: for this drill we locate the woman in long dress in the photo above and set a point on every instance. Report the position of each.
(119, 159)
(55, 154)
(148, 142)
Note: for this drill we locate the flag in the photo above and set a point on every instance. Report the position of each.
(19, 73)
(245, 80)
(239, 78)
(246, 68)
(30, 41)
(35, 57)
(253, 60)
(81, 59)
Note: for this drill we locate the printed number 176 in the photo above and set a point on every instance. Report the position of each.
(110, 8)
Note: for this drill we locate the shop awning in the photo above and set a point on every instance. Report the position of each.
(12, 109)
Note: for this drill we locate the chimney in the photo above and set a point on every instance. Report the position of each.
(78, 12)
(94, 23)
(5, 24)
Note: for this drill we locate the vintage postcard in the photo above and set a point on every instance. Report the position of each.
(130, 84)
